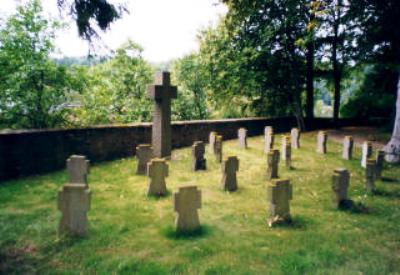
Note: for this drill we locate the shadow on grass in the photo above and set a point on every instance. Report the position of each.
(170, 233)
(295, 223)
(353, 207)
(390, 180)
(384, 193)
(159, 197)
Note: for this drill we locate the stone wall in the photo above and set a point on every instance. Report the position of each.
(29, 152)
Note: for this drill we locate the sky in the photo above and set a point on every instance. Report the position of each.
(166, 29)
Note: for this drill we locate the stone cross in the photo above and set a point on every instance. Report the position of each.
(211, 141)
(322, 139)
(218, 148)
(242, 136)
(144, 153)
(186, 203)
(78, 168)
(74, 203)
(268, 139)
(380, 157)
(198, 150)
(162, 93)
(286, 151)
(366, 153)
(295, 138)
(340, 185)
(279, 194)
(157, 171)
(272, 164)
(370, 175)
(229, 168)
(348, 145)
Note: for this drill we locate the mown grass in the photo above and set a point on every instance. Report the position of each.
(131, 233)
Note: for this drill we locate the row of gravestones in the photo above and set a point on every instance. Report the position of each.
(74, 198)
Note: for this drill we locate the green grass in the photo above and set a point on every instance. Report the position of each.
(131, 233)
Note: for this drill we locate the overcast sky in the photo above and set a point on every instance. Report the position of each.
(166, 29)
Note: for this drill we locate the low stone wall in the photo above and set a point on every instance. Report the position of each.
(29, 152)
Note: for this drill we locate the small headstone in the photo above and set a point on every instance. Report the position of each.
(157, 171)
(380, 157)
(268, 139)
(279, 194)
(186, 203)
(211, 141)
(348, 145)
(198, 150)
(144, 153)
(340, 185)
(229, 169)
(322, 139)
(77, 168)
(370, 175)
(286, 151)
(242, 136)
(366, 153)
(162, 93)
(218, 148)
(295, 138)
(272, 164)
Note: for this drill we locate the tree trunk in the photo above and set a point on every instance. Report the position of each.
(392, 149)
(310, 77)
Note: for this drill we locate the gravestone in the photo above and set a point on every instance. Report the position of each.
(295, 138)
(268, 139)
(77, 168)
(229, 168)
(198, 150)
(272, 164)
(348, 145)
(157, 171)
(144, 153)
(162, 93)
(322, 139)
(218, 148)
(242, 136)
(380, 157)
(370, 175)
(286, 151)
(340, 185)
(211, 141)
(366, 153)
(279, 194)
(186, 203)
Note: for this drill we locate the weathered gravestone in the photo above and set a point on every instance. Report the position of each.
(295, 138)
(211, 141)
(268, 139)
(229, 168)
(157, 171)
(74, 199)
(78, 168)
(340, 185)
(370, 175)
(366, 153)
(218, 148)
(198, 150)
(279, 194)
(286, 151)
(162, 93)
(322, 139)
(272, 164)
(144, 153)
(186, 203)
(242, 136)
(380, 157)
(348, 145)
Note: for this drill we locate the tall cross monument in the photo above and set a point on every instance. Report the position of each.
(162, 93)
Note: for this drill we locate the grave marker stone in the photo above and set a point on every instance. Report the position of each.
(279, 194)
(229, 168)
(268, 139)
(286, 151)
(198, 150)
(77, 168)
(157, 171)
(370, 176)
(340, 185)
(144, 153)
(186, 202)
(366, 153)
(272, 164)
(295, 138)
(348, 145)
(242, 136)
(218, 148)
(211, 140)
(322, 139)
(380, 157)
(162, 93)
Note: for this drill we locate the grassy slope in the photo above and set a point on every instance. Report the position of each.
(132, 233)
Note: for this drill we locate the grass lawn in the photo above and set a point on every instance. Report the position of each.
(131, 233)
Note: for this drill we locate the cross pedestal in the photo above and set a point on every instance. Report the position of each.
(279, 194)
(229, 169)
(186, 203)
